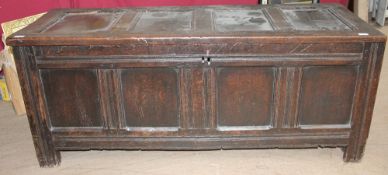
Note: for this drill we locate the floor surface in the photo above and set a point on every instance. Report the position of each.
(17, 154)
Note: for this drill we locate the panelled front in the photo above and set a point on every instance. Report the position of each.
(228, 95)
(130, 96)
(263, 97)
(257, 94)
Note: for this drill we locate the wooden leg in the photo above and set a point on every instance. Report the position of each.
(48, 159)
(362, 121)
(46, 153)
(353, 154)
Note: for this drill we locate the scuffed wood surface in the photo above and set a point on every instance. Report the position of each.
(195, 78)
(162, 25)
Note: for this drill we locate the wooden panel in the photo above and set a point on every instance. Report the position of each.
(245, 96)
(72, 97)
(327, 95)
(86, 22)
(163, 21)
(150, 97)
(312, 19)
(241, 20)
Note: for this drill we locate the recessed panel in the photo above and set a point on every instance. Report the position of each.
(313, 19)
(241, 21)
(86, 22)
(150, 97)
(245, 96)
(72, 97)
(327, 95)
(164, 22)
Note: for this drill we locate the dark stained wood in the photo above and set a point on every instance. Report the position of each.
(72, 97)
(327, 95)
(194, 90)
(150, 97)
(110, 89)
(286, 97)
(235, 48)
(241, 21)
(312, 19)
(331, 21)
(194, 78)
(245, 96)
(82, 22)
(46, 153)
(163, 22)
(201, 143)
(367, 94)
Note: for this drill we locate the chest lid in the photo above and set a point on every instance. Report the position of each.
(201, 24)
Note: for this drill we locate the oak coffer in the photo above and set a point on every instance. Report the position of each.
(199, 78)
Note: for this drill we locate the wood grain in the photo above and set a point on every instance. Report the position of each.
(199, 78)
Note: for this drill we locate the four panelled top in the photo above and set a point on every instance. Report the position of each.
(282, 23)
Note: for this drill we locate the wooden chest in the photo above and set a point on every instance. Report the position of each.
(199, 78)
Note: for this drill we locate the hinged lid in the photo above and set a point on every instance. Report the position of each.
(174, 25)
